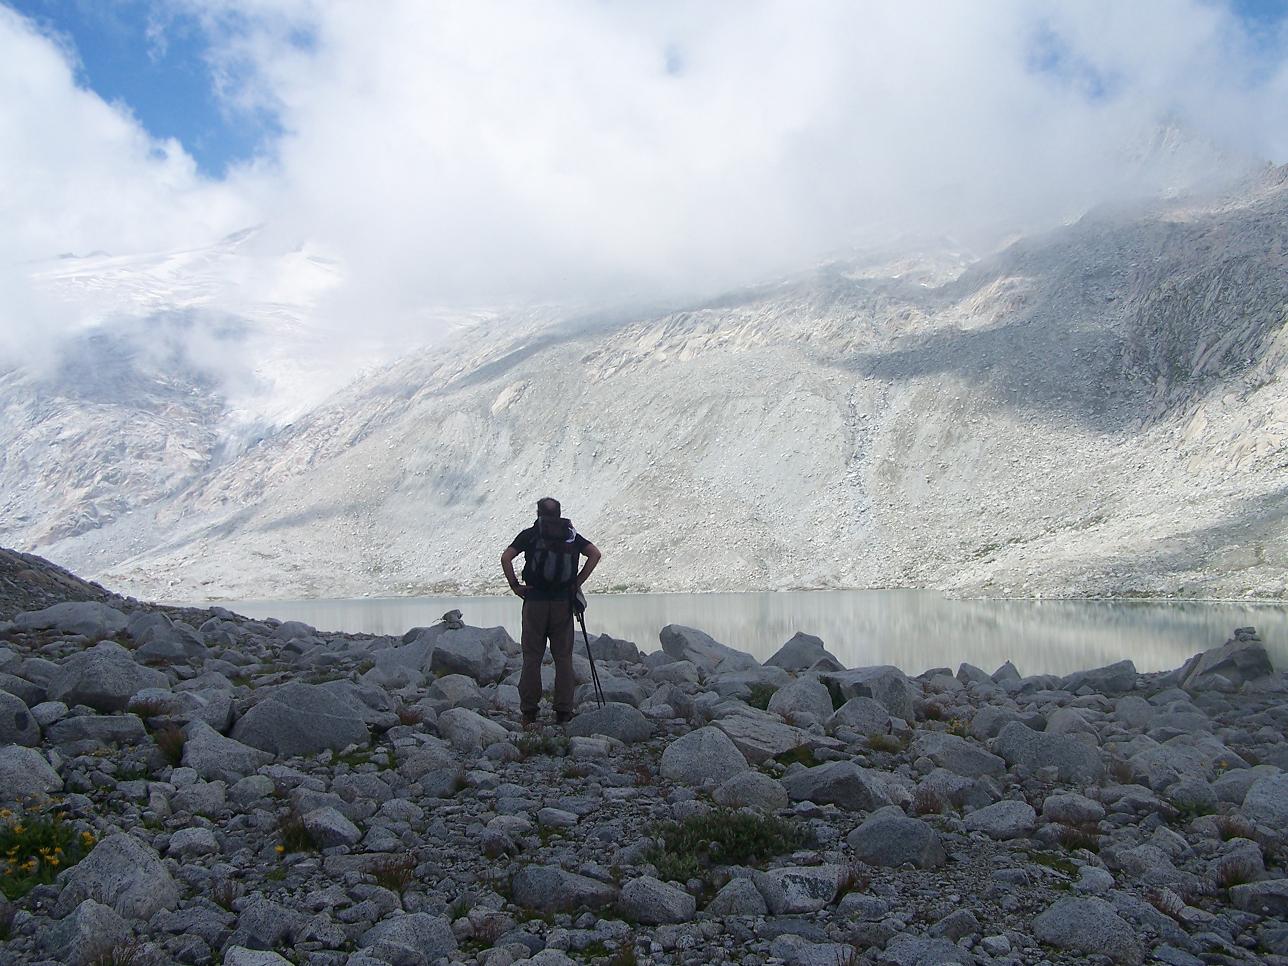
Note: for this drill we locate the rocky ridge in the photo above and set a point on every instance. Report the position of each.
(1098, 410)
(259, 792)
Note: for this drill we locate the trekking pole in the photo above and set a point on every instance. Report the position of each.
(579, 606)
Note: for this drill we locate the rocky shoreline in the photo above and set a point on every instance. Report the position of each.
(198, 787)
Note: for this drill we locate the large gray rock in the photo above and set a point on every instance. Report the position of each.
(1030, 750)
(652, 902)
(808, 696)
(548, 888)
(88, 618)
(25, 776)
(104, 677)
(619, 721)
(1114, 679)
(801, 653)
(123, 873)
(793, 890)
(1238, 661)
(739, 897)
(301, 719)
(214, 706)
(1088, 926)
(17, 726)
(761, 736)
(84, 936)
(605, 647)
(1266, 801)
(1266, 898)
(751, 789)
(890, 838)
(706, 754)
(688, 644)
(1003, 820)
(469, 731)
(327, 827)
(477, 652)
(165, 640)
(217, 758)
(886, 684)
(1071, 809)
(241, 956)
(864, 715)
(958, 755)
(430, 936)
(910, 949)
(83, 731)
(840, 783)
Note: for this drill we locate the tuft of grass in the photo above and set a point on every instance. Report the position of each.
(34, 847)
(170, 740)
(225, 893)
(394, 872)
(722, 837)
(1235, 870)
(410, 716)
(758, 695)
(1234, 827)
(1080, 837)
(1167, 902)
(801, 753)
(929, 801)
(891, 744)
(460, 908)
(122, 954)
(934, 711)
(294, 835)
(534, 743)
(155, 707)
(1121, 771)
(1053, 861)
(625, 955)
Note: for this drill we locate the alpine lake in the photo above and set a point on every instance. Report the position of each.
(911, 629)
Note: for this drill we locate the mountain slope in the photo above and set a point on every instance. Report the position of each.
(1097, 410)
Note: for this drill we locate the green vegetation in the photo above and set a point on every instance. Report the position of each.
(394, 872)
(759, 694)
(722, 837)
(293, 833)
(534, 743)
(35, 847)
(801, 753)
(170, 741)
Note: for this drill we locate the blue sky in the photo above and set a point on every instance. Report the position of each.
(148, 56)
(139, 53)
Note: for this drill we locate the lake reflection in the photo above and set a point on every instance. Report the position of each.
(913, 630)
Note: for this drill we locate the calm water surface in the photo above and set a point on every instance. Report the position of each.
(911, 629)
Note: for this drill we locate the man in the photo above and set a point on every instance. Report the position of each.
(551, 548)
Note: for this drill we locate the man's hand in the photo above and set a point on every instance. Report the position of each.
(519, 590)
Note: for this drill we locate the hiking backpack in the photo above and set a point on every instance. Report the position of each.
(550, 564)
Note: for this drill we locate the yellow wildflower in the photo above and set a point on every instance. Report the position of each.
(280, 849)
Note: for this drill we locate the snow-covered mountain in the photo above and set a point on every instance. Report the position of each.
(1098, 409)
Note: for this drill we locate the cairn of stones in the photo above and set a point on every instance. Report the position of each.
(259, 792)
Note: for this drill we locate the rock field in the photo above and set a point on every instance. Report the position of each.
(188, 786)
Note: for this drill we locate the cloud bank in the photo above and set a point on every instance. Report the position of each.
(448, 154)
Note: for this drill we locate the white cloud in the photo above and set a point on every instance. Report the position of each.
(484, 151)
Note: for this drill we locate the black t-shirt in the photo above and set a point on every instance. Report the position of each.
(523, 543)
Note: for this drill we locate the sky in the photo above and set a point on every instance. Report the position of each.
(464, 154)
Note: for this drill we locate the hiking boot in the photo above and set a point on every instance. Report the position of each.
(563, 717)
(529, 719)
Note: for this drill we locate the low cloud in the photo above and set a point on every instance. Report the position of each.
(447, 154)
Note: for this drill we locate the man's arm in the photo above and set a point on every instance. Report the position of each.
(592, 561)
(507, 566)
